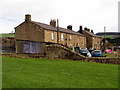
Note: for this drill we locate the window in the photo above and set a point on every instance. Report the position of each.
(62, 37)
(70, 37)
(52, 36)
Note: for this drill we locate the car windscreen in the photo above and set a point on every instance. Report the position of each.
(97, 52)
(84, 50)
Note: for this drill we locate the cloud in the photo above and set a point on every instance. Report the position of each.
(95, 14)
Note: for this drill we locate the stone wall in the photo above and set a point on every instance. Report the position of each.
(57, 51)
(29, 31)
(48, 36)
(68, 39)
(96, 42)
(60, 52)
(19, 46)
(9, 41)
(119, 52)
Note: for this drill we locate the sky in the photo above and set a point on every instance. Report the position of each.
(93, 14)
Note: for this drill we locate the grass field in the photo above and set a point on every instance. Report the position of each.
(43, 73)
(7, 35)
(110, 54)
(107, 36)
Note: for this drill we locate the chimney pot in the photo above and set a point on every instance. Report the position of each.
(27, 17)
(53, 23)
(69, 27)
(86, 29)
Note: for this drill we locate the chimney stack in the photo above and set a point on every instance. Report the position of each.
(80, 27)
(80, 30)
(86, 29)
(27, 17)
(92, 31)
(69, 27)
(53, 23)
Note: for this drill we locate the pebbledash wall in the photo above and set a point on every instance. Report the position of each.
(32, 37)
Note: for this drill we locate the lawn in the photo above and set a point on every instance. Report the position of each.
(110, 54)
(43, 73)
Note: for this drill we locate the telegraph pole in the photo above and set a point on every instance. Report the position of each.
(118, 48)
(104, 37)
(57, 31)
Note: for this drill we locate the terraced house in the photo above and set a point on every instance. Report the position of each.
(92, 40)
(32, 37)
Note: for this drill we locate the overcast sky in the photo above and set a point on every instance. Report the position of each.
(94, 14)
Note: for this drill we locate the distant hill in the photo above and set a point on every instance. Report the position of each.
(109, 34)
(7, 35)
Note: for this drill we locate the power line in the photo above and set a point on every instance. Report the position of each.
(8, 19)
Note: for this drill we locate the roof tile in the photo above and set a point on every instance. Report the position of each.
(49, 27)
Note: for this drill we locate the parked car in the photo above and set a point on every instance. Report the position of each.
(85, 52)
(91, 50)
(97, 53)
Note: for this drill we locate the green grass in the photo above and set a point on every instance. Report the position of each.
(107, 36)
(7, 35)
(110, 54)
(43, 73)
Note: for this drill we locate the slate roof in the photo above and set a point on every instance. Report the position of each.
(49, 27)
(91, 34)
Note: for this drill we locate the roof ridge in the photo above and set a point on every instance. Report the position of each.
(49, 27)
(90, 33)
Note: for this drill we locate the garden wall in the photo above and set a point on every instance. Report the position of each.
(60, 52)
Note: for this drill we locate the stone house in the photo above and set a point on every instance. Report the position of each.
(92, 40)
(32, 37)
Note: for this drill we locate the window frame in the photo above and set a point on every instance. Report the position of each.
(70, 37)
(62, 37)
(53, 37)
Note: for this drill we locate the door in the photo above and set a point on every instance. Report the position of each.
(34, 47)
(26, 47)
(31, 47)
